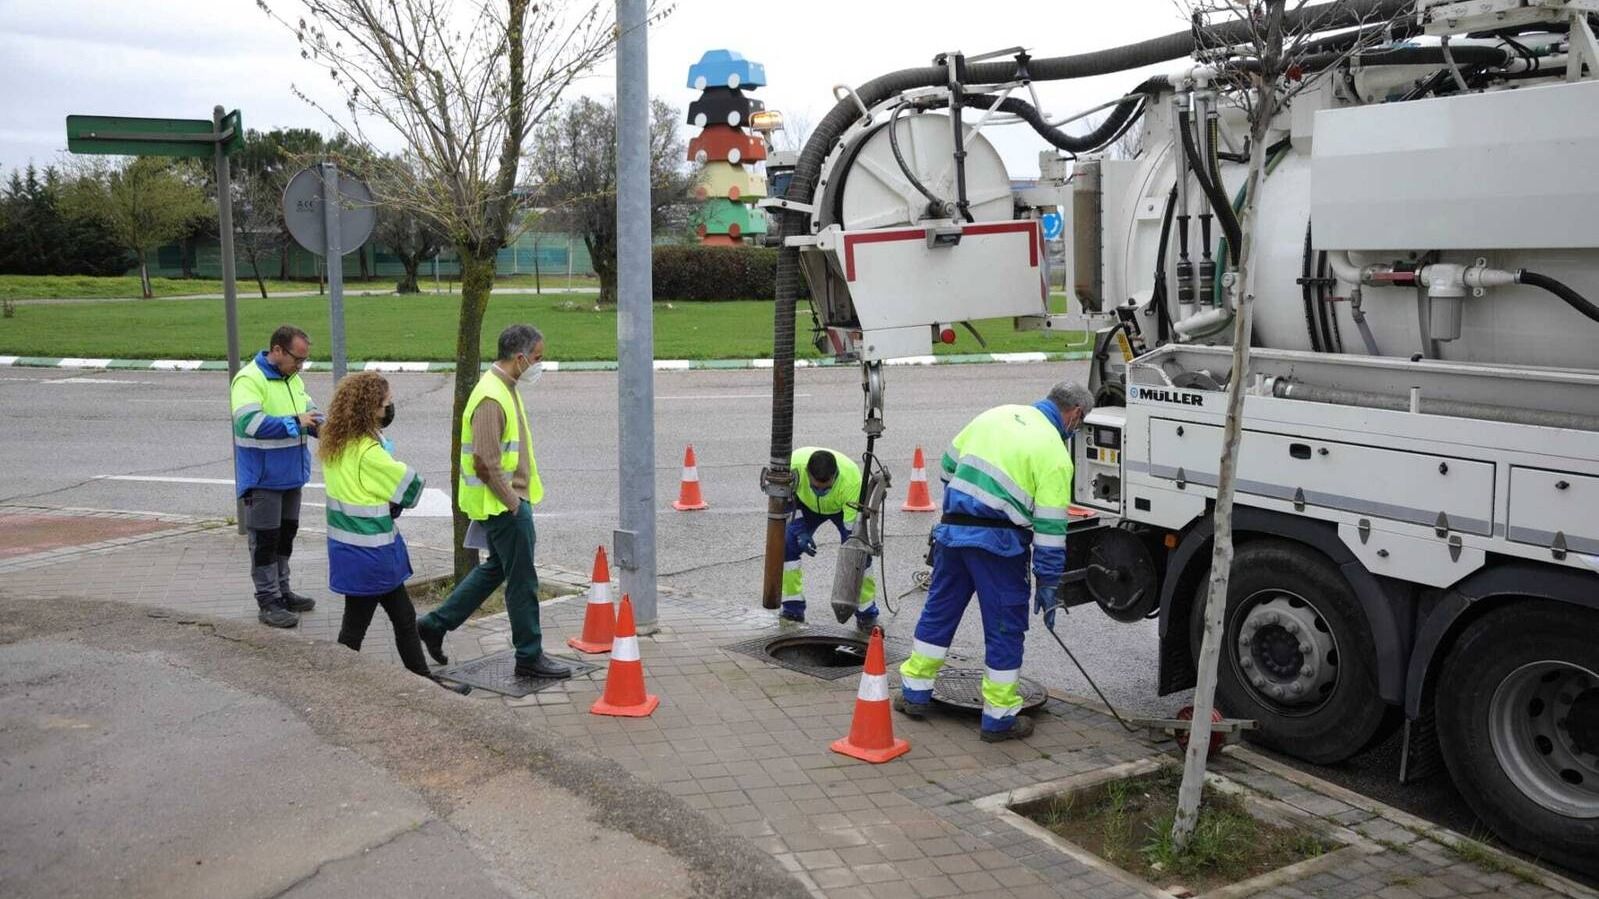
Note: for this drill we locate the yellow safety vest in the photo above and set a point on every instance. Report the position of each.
(471, 494)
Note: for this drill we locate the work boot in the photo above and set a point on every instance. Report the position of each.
(295, 602)
(277, 616)
(463, 689)
(914, 710)
(793, 610)
(1020, 729)
(865, 622)
(542, 667)
(433, 639)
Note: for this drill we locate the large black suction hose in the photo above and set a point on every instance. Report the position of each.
(1322, 17)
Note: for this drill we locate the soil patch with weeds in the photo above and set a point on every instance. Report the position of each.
(1128, 823)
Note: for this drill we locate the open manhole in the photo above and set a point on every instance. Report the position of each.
(961, 689)
(824, 653)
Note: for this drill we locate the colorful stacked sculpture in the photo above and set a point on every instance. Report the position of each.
(725, 149)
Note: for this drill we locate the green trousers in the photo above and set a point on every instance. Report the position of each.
(510, 562)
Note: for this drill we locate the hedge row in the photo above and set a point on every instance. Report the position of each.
(696, 272)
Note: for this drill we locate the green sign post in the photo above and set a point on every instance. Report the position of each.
(216, 137)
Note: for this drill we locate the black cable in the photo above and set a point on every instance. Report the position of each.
(1160, 296)
(1323, 295)
(1218, 200)
(1305, 285)
(1573, 299)
(940, 206)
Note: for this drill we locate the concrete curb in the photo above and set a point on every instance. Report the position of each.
(93, 364)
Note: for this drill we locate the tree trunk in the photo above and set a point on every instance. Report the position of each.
(255, 269)
(408, 280)
(366, 272)
(477, 281)
(1221, 561)
(538, 287)
(602, 258)
(283, 261)
(144, 275)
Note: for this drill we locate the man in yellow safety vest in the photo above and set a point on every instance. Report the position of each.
(498, 488)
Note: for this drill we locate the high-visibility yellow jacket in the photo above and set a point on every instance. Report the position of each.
(846, 489)
(366, 554)
(270, 446)
(471, 494)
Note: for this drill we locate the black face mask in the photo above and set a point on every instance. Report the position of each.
(388, 416)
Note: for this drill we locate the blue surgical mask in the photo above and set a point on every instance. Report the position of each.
(821, 491)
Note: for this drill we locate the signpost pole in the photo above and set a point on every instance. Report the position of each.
(334, 259)
(230, 289)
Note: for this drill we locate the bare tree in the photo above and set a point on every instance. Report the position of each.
(796, 131)
(574, 177)
(410, 237)
(1278, 59)
(463, 86)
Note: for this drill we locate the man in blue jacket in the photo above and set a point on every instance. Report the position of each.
(272, 417)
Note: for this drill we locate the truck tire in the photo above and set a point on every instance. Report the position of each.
(1297, 654)
(1518, 722)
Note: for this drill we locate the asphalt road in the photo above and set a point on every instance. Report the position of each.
(71, 434)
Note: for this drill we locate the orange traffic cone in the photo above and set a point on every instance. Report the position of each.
(688, 497)
(871, 733)
(918, 499)
(624, 684)
(599, 620)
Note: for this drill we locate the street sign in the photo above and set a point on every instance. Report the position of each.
(128, 136)
(307, 220)
(1054, 226)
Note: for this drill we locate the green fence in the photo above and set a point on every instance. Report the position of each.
(548, 254)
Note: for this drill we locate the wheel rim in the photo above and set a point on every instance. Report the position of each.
(1541, 723)
(1285, 654)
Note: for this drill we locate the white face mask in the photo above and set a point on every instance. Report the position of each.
(534, 372)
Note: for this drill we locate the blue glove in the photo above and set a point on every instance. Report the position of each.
(1046, 601)
(387, 444)
(809, 546)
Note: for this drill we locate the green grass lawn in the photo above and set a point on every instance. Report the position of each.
(422, 328)
(58, 287)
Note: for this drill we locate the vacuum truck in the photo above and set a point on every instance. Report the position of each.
(1417, 505)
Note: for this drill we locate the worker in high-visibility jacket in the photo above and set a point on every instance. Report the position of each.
(498, 487)
(1007, 487)
(367, 490)
(826, 485)
(272, 417)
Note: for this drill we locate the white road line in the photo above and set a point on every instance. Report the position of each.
(175, 480)
(94, 381)
(725, 396)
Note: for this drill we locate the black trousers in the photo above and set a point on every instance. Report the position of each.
(396, 603)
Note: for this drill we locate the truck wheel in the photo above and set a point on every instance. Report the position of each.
(1518, 723)
(1297, 654)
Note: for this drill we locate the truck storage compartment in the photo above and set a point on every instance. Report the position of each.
(1366, 480)
(1545, 505)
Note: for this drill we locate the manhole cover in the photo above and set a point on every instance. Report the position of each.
(962, 688)
(819, 652)
(497, 674)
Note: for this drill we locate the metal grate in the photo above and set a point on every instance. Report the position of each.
(962, 688)
(497, 674)
(823, 639)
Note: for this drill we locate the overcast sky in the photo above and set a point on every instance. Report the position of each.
(178, 58)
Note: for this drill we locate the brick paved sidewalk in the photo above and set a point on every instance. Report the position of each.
(746, 743)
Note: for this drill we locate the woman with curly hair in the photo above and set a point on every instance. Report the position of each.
(367, 488)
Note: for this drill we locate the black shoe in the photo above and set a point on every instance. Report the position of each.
(542, 667)
(913, 710)
(463, 689)
(1020, 730)
(277, 616)
(297, 602)
(434, 641)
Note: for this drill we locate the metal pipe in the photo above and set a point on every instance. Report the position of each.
(1290, 389)
(635, 320)
(1184, 268)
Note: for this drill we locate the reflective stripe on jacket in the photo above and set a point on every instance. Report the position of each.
(1011, 463)
(846, 489)
(366, 554)
(472, 495)
(271, 450)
